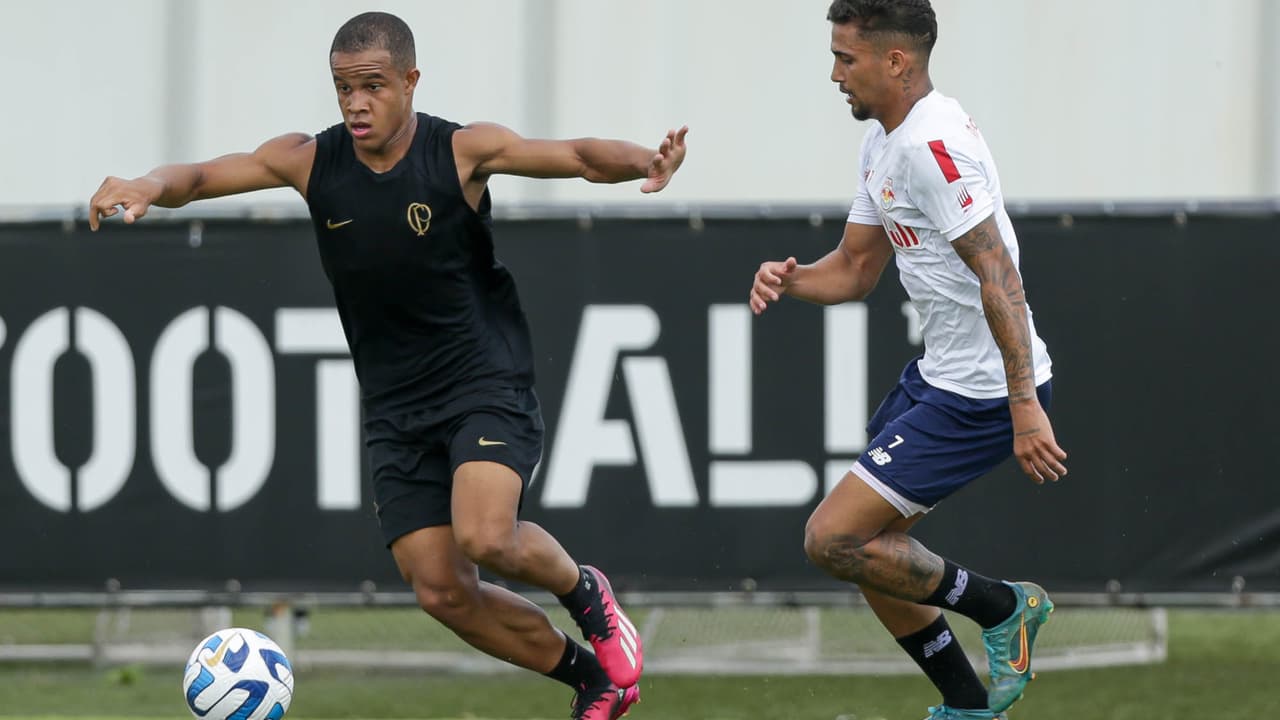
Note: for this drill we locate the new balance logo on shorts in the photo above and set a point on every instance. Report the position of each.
(962, 581)
(936, 645)
(879, 456)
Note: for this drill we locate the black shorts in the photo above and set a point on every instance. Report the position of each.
(413, 455)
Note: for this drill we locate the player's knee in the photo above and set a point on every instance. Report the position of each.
(816, 534)
(450, 603)
(813, 545)
(834, 548)
(492, 550)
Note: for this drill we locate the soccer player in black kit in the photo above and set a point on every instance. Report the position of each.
(441, 348)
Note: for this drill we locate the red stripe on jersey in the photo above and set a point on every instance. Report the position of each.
(915, 239)
(949, 169)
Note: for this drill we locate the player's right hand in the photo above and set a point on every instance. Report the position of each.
(135, 196)
(772, 280)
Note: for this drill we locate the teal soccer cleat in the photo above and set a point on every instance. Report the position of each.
(1009, 645)
(942, 712)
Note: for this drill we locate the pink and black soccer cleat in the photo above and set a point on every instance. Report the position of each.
(607, 703)
(612, 636)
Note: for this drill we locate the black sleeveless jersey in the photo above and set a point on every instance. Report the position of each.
(430, 315)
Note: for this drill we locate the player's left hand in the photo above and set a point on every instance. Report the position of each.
(1034, 445)
(667, 160)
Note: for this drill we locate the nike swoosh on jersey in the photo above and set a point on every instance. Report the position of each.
(335, 225)
(489, 443)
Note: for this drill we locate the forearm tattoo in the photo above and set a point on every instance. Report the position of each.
(892, 563)
(1004, 302)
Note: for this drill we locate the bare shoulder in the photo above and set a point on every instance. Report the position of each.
(481, 140)
(290, 156)
(288, 148)
(478, 151)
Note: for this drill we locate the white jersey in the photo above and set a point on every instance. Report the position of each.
(928, 182)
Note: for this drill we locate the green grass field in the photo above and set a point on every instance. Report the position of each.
(1221, 665)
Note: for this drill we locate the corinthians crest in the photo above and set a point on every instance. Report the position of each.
(419, 218)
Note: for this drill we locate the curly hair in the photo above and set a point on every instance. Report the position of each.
(377, 31)
(912, 20)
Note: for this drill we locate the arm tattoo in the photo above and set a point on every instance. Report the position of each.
(1004, 303)
(892, 563)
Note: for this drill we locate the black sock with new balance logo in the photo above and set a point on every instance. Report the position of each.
(578, 668)
(940, 656)
(985, 601)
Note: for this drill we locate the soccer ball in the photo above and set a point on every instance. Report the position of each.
(238, 673)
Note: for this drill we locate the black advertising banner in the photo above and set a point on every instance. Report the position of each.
(179, 408)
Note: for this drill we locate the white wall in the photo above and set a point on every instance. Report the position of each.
(72, 105)
(1095, 99)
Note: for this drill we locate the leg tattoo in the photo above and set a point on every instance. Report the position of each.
(892, 563)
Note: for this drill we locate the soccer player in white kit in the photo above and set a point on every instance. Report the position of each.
(929, 196)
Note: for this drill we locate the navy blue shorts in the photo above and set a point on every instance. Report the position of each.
(413, 455)
(929, 442)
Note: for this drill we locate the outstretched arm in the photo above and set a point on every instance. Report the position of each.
(482, 150)
(850, 272)
(284, 161)
(1005, 306)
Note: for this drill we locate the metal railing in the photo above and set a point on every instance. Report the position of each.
(815, 212)
(381, 598)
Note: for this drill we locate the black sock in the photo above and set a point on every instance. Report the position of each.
(578, 668)
(937, 651)
(579, 598)
(985, 601)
